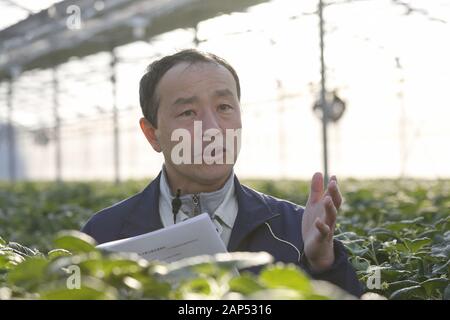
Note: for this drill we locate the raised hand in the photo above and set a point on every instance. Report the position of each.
(319, 221)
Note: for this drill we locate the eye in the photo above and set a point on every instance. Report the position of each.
(225, 107)
(187, 113)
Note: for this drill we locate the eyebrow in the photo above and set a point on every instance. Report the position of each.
(223, 93)
(181, 101)
(193, 99)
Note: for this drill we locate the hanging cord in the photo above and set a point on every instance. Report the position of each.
(300, 255)
(176, 204)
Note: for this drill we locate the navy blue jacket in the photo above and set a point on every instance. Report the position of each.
(263, 223)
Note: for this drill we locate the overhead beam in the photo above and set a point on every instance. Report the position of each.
(45, 39)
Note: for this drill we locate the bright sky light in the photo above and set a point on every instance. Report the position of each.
(389, 127)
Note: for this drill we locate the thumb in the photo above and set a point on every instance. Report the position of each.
(316, 191)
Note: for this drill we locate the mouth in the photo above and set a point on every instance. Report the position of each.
(219, 153)
(215, 156)
(212, 154)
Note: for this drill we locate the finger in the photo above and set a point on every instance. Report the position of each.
(330, 213)
(334, 192)
(316, 191)
(333, 178)
(324, 230)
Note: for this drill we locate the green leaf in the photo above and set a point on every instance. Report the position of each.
(22, 249)
(199, 286)
(279, 294)
(431, 285)
(346, 236)
(90, 288)
(391, 275)
(398, 226)
(245, 284)
(153, 288)
(360, 264)
(382, 234)
(414, 292)
(447, 293)
(326, 289)
(114, 265)
(56, 253)
(396, 285)
(285, 276)
(417, 244)
(29, 273)
(74, 241)
(84, 293)
(428, 233)
(441, 268)
(441, 250)
(354, 247)
(228, 261)
(10, 258)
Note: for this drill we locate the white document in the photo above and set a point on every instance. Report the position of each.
(192, 237)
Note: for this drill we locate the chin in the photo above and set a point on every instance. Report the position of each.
(207, 174)
(211, 173)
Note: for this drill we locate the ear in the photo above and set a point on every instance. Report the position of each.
(150, 133)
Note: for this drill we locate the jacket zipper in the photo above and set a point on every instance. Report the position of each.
(196, 203)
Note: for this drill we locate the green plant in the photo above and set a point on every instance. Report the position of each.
(398, 228)
(29, 274)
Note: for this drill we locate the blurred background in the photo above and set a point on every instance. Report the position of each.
(69, 75)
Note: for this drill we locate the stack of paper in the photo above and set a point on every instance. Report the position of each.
(192, 237)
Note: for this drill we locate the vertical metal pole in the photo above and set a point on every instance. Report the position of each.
(402, 120)
(57, 129)
(281, 135)
(10, 133)
(196, 40)
(323, 101)
(115, 117)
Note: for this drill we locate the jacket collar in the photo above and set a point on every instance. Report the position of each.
(253, 211)
(144, 217)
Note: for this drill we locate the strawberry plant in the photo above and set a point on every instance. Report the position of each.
(397, 234)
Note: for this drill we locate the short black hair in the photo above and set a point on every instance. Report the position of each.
(156, 70)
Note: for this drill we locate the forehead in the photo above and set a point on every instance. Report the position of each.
(187, 78)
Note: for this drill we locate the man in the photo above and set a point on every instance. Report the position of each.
(195, 96)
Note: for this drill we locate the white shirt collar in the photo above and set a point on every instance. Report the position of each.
(225, 215)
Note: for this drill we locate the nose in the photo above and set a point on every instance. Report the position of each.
(210, 120)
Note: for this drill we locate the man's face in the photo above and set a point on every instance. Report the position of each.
(193, 96)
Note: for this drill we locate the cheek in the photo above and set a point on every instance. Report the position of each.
(239, 120)
(165, 136)
(237, 115)
(236, 121)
